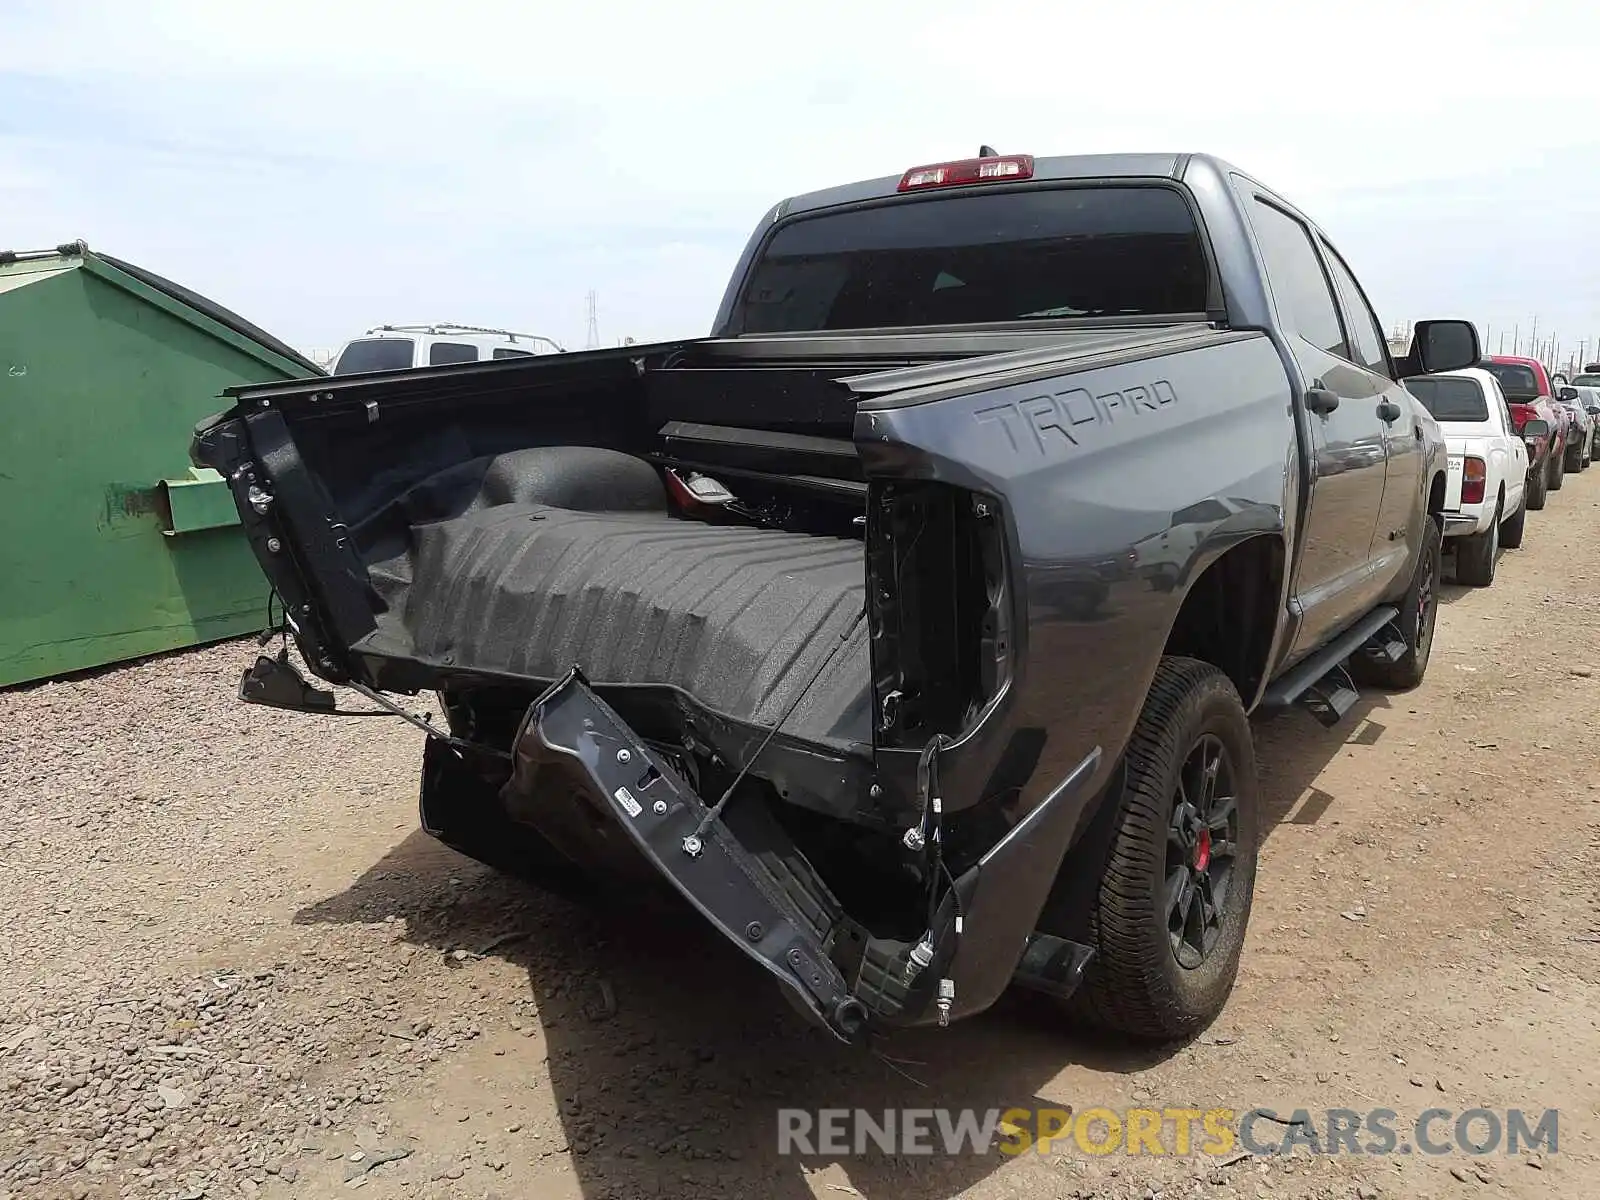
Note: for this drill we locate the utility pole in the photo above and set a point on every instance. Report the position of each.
(1516, 340)
(592, 338)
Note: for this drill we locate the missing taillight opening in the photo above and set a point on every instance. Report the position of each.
(941, 628)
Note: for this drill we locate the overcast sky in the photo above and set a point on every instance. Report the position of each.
(326, 165)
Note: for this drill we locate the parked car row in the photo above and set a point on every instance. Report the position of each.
(1513, 430)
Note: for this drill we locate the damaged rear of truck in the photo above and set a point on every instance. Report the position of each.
(906, 627)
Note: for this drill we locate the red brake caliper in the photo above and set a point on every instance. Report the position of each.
(1202, 851)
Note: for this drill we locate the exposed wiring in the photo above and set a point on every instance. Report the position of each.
(715, 810)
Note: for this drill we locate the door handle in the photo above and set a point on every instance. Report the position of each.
(1389, 411)
(1320, 400)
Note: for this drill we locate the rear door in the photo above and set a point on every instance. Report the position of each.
(1399, 525)
(1335, 583)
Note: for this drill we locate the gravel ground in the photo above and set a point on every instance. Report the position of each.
(233, 967)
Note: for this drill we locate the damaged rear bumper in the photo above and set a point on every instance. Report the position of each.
(579, 774)
(572, 734)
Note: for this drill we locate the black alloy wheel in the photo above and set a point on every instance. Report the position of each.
(1202, 847)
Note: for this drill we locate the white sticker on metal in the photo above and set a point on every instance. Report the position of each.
(625, 798)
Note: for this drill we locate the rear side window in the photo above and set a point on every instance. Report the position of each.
(443, 354)
(1450, 399)
(502, 352)
(1298, 283)
(375, 354)
(1039, 254)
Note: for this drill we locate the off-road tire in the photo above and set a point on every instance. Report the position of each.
(1538, 488)
(1135, 986)
(1511, 528)
(1558, 470)
(1475, 555)
(1419, 612)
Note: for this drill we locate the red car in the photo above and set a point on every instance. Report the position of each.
(1530, 396)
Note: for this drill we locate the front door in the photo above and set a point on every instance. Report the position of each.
(1335, 583)
(1399, 526)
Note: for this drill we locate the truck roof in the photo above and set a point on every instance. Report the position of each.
(1062, 167)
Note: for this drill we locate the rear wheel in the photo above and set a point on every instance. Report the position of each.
(1475, 555)
(1537, 488)
(1574, 459)
(1169, 919)
(1511, 529)
(1419, 611)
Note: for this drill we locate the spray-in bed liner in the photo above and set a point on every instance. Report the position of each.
(738, 618)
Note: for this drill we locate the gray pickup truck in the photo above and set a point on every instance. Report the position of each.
(909, 625)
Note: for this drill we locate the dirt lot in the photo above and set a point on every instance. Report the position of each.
(232, 966)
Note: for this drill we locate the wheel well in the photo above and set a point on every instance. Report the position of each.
(1229, 614)
(1436, 496)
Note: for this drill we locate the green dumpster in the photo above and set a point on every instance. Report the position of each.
(111, 545)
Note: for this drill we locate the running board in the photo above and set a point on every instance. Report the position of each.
(1321, 681)
(1329, 698)
(1386, 647)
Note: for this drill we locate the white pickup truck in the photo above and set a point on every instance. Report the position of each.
(1485, 487)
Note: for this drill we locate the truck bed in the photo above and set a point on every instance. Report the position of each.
(739, 618)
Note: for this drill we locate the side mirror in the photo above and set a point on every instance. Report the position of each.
(1567, 393)
(1593, 410)
(1446, 345)
(1535, 430)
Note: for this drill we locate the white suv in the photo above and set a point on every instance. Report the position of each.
(402, 347)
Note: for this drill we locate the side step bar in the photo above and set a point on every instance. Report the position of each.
(1322, 683)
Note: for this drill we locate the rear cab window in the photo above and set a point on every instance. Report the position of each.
(1517, 380)
(1046, 253)
(375, 354)
(1450, 399)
